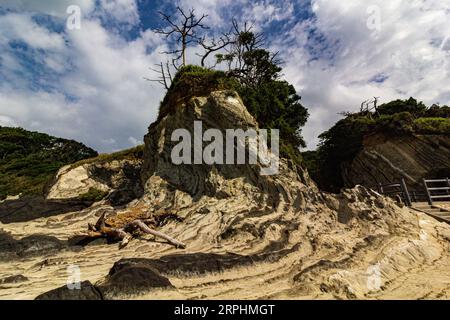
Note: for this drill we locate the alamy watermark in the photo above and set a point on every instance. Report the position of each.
(73, 277)
(238, 147)
(374, 20)
(74, 18)
(374, 277)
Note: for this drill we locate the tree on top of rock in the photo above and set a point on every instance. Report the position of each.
(273, 102)
(184, 28)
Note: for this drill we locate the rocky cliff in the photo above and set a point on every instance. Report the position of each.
(400, 139)
(386, 159)
(247, 235)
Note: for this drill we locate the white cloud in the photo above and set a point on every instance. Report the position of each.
(101, 98)
(123, 11)
(213, 8)
(264, 12)
(51, 7)
(406, 50)
(21, 27)
(7, 121)
(134, 141)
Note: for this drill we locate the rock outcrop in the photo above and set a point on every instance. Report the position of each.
(388, 159)
(248, 236)
(86, 291)
(240, 187)
(31, 207)
(33, 245)
(120, 179)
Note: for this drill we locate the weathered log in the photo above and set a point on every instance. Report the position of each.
(100, 229)
(95, 234)
(138, 224)
(101, 222)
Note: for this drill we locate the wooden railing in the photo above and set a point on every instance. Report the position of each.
(437, 189)
(396, 189)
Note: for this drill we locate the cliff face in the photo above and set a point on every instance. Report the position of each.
(242, 184)
(386, 159)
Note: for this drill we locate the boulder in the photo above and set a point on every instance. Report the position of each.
(131, 278)
(87, 291)
(13, 279)
(33, 245)
(33, 207)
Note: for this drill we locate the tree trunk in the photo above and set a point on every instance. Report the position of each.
(184, 51)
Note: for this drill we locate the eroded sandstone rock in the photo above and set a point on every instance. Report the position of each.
(132, 278)
(119, 178)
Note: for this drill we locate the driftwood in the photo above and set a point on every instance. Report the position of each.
(125, 234)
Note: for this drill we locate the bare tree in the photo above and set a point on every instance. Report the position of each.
(216, 45)
(164, 74)
(184, 29)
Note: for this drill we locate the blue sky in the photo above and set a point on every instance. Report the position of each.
(88, 84)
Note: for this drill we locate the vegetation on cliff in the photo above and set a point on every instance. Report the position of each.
(93, 195)
(274, 103)
(29, 160)
(246, 66)
(135, 153)
(341, 143)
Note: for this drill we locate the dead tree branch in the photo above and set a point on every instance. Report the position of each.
(184, 27)
(140, 225)
(221, 43)
(125, 234)
(164, 75)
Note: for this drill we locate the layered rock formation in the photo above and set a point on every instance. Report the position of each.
(388, 159)
(174, 187)
(119, 178)
(248, 236)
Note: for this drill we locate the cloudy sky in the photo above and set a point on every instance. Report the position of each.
(88, 84)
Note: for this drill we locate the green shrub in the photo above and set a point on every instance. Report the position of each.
(193, 81)
(276, 105)
(135, 153)
(93, 195)
(410, 105)
(399, 123)
(432, 126)
(436, 111)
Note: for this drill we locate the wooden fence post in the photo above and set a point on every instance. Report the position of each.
(406, 193)
(430, 201)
